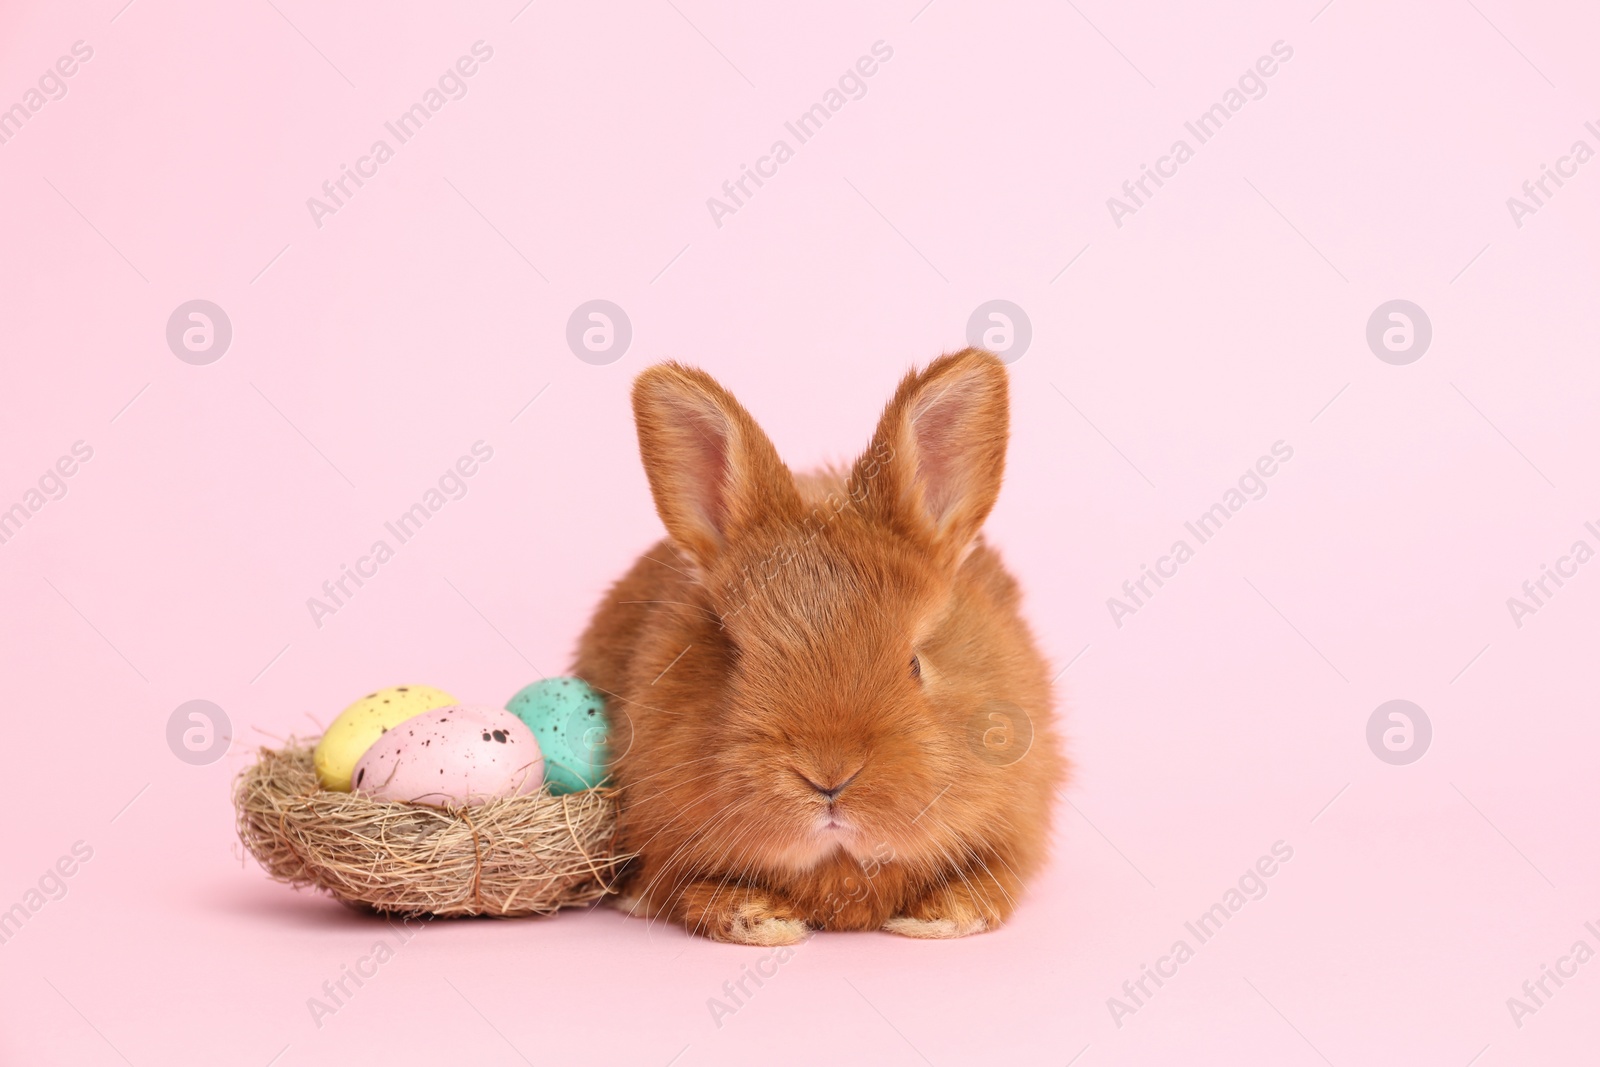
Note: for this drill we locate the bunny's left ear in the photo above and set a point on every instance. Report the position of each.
(939, 454)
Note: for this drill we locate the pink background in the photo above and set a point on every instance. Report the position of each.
(1226, 314)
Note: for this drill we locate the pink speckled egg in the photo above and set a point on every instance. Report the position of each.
(457, 755)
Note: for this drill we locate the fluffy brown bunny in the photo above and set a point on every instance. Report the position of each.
(826, 711)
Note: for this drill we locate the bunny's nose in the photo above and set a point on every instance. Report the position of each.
(832, 792)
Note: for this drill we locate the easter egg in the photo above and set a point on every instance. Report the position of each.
(569, 719)
(363, 722)
(458, 755)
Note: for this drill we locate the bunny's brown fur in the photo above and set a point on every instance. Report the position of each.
(826, 710)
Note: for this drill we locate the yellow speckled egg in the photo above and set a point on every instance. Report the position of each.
(363, 722)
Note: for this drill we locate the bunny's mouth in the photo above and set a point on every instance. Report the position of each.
(832, 824)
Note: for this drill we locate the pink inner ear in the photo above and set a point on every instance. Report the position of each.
(704, 463)
(941, 426)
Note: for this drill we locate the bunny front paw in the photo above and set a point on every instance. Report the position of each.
(741, 916)
(975, 903)
(906, 926)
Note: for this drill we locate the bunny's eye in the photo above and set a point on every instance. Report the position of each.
(916, 667)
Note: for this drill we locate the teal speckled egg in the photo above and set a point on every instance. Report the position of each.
(569, 719)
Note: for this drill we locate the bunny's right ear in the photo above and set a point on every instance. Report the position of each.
(713, 472)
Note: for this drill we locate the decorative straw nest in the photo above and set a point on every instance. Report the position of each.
(514, 856)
